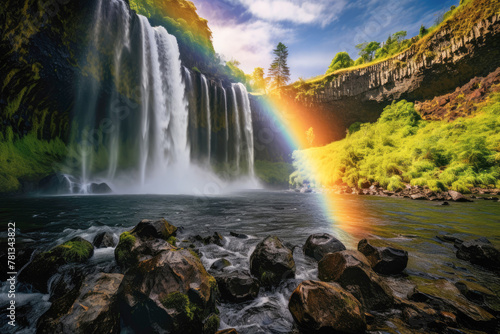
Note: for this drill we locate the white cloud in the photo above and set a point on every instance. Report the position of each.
(249, 43)
(321, 12)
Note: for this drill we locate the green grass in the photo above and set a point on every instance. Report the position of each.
(28, 158)
(401, 148)
(273, 173)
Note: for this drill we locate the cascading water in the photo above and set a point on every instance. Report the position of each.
(152, 131)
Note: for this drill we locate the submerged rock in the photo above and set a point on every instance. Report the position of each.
(271, 262)
(171, 292)
(220, 264)
(54, 184)
(384, 260)
(317, 245)
(44, 265)
(238, 235)
(99, 188)
(104, 240)
(144, 241)
(237, 286)
(92, 309)
(352, 271)
(321, 307)
(480, 252)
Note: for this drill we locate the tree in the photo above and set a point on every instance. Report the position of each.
(258, 81)
(423, 31)
(367, 50)
(310, 136)
(341, 60)
(399, 36)
(279, 70)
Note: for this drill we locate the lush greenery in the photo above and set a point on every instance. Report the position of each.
(273, 173)
(279, 72)
(340, 61)
(401, 148)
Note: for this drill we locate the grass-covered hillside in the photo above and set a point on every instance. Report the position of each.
(401, 148)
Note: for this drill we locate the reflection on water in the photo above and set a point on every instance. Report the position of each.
(411, 225)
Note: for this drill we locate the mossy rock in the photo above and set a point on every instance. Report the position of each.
(45, 265)
(123, 251)
(160, 229)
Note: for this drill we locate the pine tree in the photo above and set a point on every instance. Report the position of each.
(279, 70)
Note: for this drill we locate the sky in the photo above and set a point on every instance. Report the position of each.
(313, 30)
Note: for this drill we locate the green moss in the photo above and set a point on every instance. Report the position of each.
(75, 251)
(181, 303)
(193, 252)
(123, 250)
(211, 325)
(172, 240)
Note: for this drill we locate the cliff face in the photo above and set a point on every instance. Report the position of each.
(424, 71)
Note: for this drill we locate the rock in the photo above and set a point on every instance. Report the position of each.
(237, 286)
(100, 188)
(54, 184)
(44, 265)
(228, 331)
(450, 238)
(480, 252)
(94, 310)
(444, 296)
(144, 241)
(317, 245)
(445, 203)
(215, 239)
(271, 262)
(458, 197)
(220, 264)
(384, 260)
(104, 240)
(238, 235)
(171, 292)
(418, 197)
(480, 295)
(352, 271)
(321, 307)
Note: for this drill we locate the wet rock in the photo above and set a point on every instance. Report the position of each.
(171, 292)
(320, 307)
(44, 265)
(384, 260)
(480, 295)
(317, 245)
(220, 264)
(445, 203)
(228, 331)
(238, 235)
(237, 286)
(442, 295)
(422, 317)
(480, 252)
(352, 271)
(215, 239)
(93, 310)
(144, 241)
(458, 197)
(100, 188)
(271, 262)
(55, 184)
(104, 240)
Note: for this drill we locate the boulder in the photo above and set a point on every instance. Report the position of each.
(238, 235)
(55, 184)
(444, 296)
(220, 264)
(317, 245)
(352, 271)
(171, 292)
(44, 265)
(99, 188)
(93, 309)
(418, 197)
(104, 240)
(272, 261)
(144, 241)
(384, 260)
(320, 307)
(480, 252)
(458, 197)
(215, 239)
(480, 295)
(237, 286)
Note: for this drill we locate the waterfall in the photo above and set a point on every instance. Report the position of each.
(143, 123)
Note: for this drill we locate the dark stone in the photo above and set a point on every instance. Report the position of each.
(171, 292)
(215, 239)
(445, 203)
(104, 240)
(228, 331)
(100, 188)
(271, 262)
(44, 265)
(237, 286)
(317, 245)
(384, 260)
(220, 264)
(480, 252)
(160, 229)
(238, 235)
(319, 307)
(54, 184)
(352, 271)
(92, 309)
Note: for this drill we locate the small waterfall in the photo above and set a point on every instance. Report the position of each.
(143, 123)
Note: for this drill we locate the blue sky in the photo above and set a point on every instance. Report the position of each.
(313, 30)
